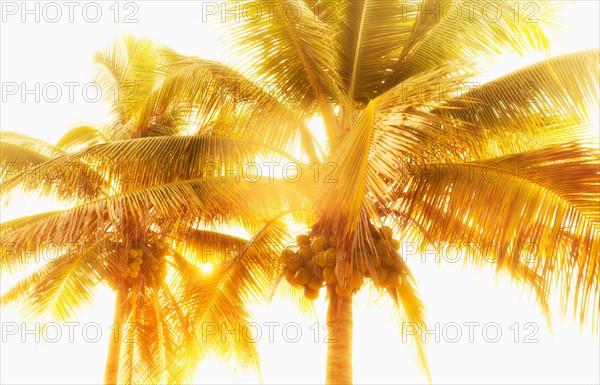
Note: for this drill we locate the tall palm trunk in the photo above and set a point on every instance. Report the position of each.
(339, 349)
(116, 335)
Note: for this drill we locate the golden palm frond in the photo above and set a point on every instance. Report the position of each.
(213, 99)
(546, 198)
(135, 163)
(62, 285)
(168, 93)
(21, 152)
(128, 70)
(471, 34)
(412, 316)
(31, 164)
(370, 36)
(213, 201)
(205, 246)
(81, 137)
(340, 201)
(159, 344)
(218, 302)
(546, 103)
(294, 53)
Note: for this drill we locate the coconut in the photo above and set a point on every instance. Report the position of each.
(375, 261)
(381, 247)
(318, 244)
(295, 264)
(332, 241)
(134, 274)
(134, 266)
(387, 260)
(381, 275)
(305, 253)
(303, 240)
(287, 254)
(393, 279)
(395, 244)
(289, 275)
(320, 259)
(311, 294)
(315, 283)
(302, 276)
(386, 232)
(330, 257)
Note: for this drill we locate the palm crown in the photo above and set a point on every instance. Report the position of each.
(410, 146)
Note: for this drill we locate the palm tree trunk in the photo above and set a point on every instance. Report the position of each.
(114, 348)
(339, 349)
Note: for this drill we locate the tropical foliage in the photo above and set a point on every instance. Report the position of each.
(509, 164)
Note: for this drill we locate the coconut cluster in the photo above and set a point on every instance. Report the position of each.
(148, 266)
(312, 264)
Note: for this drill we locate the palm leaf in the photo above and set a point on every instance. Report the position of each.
(31, 164)
(212, 201)
(62, 286)
(159, 344)
(370, 38)
(205, 246)
(135, 163)
(294, 55)
(128, 70)
(412, 315)
(552, 209)
(220, 299)
(81, 137)
(460, 34)
(21, 152)
(546, 103)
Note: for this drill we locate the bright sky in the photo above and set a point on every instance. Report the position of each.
(61, 52)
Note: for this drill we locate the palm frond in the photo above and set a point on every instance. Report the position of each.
(370, 38)
(212, 201)
(412, 316)
(219, 301)
(543, 104)
(551, 206)
(81, 137)
(457, 33)
(159, 344)
(339, 201)
(21, 152)
(136, 163)
(205, 246)
(31, 164)
(211, 98)
(61, 286)
(294, 55)
(128, 70)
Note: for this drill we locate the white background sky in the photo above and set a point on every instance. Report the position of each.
(62, 52)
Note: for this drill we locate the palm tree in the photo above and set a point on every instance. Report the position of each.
(123, 184)
(416, 147)
(486, 167)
